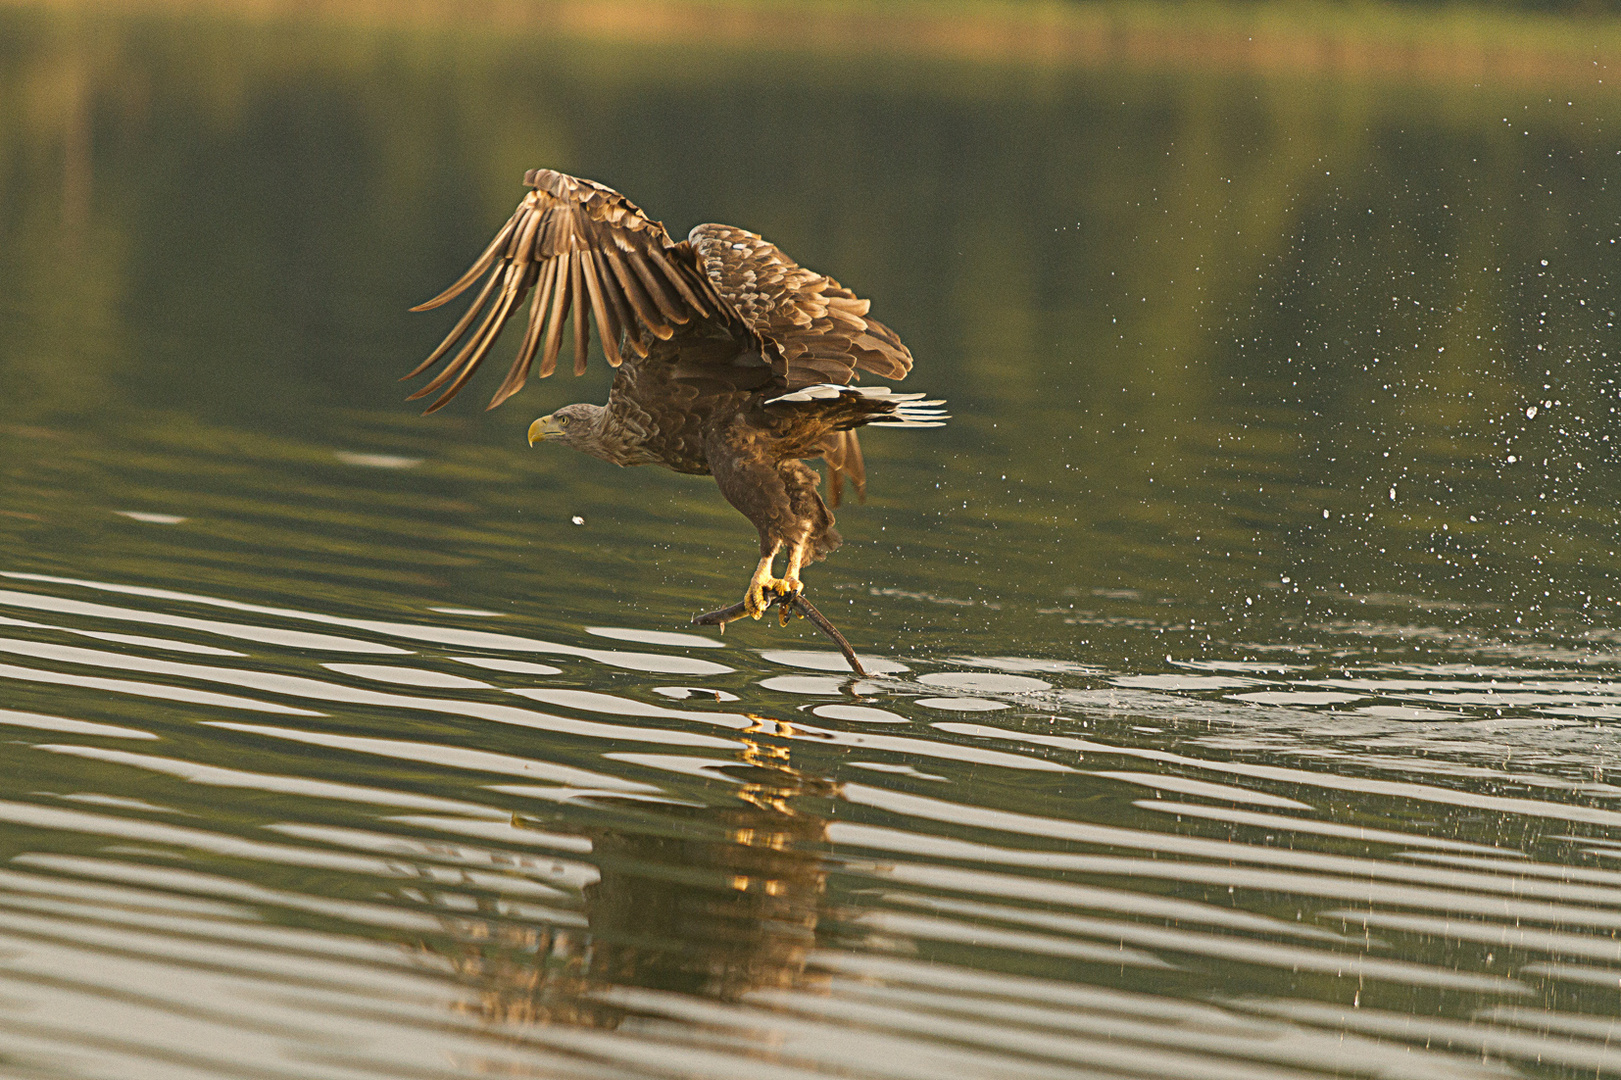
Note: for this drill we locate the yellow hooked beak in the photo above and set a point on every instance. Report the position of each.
(543, 429)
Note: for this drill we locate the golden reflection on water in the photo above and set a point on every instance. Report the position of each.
(713, 901)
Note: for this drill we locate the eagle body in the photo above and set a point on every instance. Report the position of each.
(732, 360)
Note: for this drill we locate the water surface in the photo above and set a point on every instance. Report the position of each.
(1243, 655)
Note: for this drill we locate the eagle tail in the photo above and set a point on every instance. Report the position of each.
(878, 406)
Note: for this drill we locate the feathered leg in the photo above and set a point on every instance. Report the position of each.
(780, 498)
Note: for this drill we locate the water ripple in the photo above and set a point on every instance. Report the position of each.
(655, 877)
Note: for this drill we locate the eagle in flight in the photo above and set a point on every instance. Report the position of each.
(732, 359)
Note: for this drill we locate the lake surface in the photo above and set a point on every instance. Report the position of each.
(1243, 656)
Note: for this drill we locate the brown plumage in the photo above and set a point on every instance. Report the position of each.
(732, 359)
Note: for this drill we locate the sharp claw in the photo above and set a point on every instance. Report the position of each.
(754, 600)
(785, 589)
(788, 588)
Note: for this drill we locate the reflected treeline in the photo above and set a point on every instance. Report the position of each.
(713, 901)
(1188, 315)
(280, 200)
(62, 255)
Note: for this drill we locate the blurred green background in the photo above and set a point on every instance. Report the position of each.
(1220, 295)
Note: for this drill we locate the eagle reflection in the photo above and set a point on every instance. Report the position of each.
(713, 901)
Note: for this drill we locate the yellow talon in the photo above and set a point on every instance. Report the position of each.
(754, 600)
(786, 588)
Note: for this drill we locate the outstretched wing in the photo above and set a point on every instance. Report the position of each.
(821, 328)
(576, 243)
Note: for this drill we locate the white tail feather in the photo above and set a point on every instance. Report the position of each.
(828, 391)
(911, 410)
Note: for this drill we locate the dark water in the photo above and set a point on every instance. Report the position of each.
(1244, 653)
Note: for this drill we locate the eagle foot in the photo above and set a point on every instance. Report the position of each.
(755, 603)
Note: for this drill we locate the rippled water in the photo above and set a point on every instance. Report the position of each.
(244, 836)
(1234, 710)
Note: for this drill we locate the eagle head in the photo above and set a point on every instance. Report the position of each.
(576, 425)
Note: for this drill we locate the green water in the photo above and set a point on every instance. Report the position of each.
(1244, 651)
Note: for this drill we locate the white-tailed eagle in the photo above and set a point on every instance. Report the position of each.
(733, 360)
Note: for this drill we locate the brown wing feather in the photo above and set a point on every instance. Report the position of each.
(593, 253)
(821, 328)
